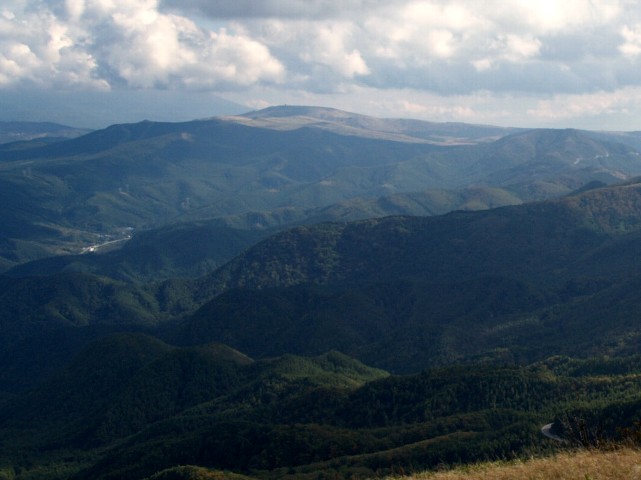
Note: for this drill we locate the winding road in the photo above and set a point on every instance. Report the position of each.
(547, 431)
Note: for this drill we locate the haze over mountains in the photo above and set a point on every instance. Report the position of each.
(99, 109)
(301, 291)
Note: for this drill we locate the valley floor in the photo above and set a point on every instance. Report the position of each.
(618, 464)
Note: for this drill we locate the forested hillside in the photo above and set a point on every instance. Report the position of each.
(130, 406)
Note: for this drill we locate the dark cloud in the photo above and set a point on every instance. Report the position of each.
(273, 8)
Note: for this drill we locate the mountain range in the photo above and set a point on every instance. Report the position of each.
(280, 167)
(302, 292)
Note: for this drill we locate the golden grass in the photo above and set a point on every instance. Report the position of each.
(619, 464)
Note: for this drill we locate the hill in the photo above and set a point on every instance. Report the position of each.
(193, 249)
(509, 284)
(47, 320)
(402, 293)
(130, 406)
(131, 383)
(514, 284)
(539, 237)
(178, 250)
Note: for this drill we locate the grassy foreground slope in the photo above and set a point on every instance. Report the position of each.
(622, 463)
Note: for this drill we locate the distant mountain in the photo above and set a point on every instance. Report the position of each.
(58, 197)
(11, 132)
(632, 139)
(96, 109)
(539, 154)
(281, 166)
(347, 123)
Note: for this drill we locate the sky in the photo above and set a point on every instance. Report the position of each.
(526, 63)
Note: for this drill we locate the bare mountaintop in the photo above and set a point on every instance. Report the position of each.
(288, 117)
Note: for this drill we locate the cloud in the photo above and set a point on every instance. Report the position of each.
(449, 47)
(554, 17)
(287, 9)
(322, 54)
(108, 43)
(444, 49)
(36, 47)
(597, 104)
(328, 46)
(631, 46)
(167, 51)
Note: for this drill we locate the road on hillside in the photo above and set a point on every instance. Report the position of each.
(547, 431)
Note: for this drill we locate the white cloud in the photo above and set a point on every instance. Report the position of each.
(562, 107)
(519, 48)
(631, 47)
(328, 45)
(101, 43)
(75, 8)
(421, 31)
(165, 50)
(237, 60)
(553, 17)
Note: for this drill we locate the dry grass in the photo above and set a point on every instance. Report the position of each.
(620, 464)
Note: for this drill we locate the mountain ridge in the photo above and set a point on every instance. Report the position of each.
(518, 269)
